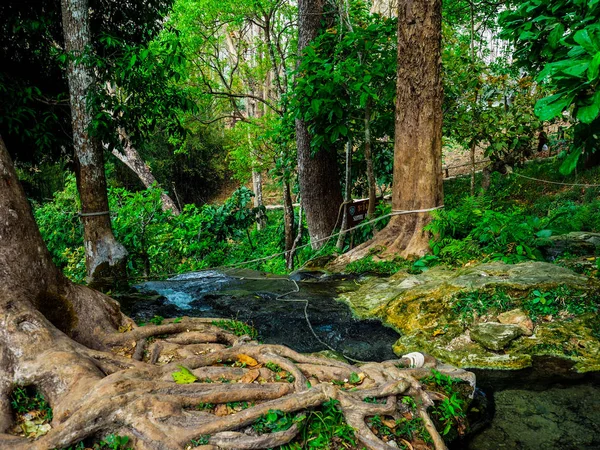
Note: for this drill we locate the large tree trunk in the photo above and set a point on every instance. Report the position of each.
(131, 158)
(418, 182)
(105, 257)
(102, 374)
(317, 175)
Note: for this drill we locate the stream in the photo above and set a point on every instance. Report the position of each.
(545, 407)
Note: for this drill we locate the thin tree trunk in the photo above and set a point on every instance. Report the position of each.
(297, 241)
(258, 198)
(369, 160)
(472, 150)
(131, 158)
(317, 175)
(105, 257)
(288, 223)
(347, 197)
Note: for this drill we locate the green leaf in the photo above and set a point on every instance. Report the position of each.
(570, 162)
(587, 114)
(544, 233)
(556, 35)
(577, 70)
(582, 37)
(184, 376)
(549, 107)
(594, 67)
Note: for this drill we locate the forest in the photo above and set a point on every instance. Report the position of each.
(311, 224)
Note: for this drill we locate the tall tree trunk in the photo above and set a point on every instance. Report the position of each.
(105, 257)
(131, 158)
(418, 182)
(369, 160)
(317, 175)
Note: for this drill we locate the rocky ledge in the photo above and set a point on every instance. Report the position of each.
(489, 316)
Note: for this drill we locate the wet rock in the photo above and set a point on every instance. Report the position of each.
(424, 310)
(517, 317)
(574, 243)
(494, 335)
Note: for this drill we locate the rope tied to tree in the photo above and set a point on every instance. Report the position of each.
(556, 182)
(94, 214)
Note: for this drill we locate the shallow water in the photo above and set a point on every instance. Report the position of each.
(276, 306)
(546, 407)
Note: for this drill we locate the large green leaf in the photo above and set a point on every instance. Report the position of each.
(582, 37)
(594, 67)
(549, 107)
(570, 162)
(588, 113)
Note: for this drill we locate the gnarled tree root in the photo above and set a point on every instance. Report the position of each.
(95, 392)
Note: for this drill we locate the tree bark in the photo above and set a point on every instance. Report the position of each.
(105, 257)
(131, 158)
(418, 182)
(317, 175)
(369, 160)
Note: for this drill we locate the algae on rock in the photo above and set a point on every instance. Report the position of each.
(423, 309)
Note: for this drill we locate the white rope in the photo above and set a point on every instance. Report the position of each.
(362, 224)
(556, 182)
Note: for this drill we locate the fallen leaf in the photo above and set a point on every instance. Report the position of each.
(250, 376)
(221, 410)
(184, 376)
(388, 423)
(248, 360)
(438, 332)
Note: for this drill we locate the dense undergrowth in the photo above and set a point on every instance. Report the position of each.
(512, 222)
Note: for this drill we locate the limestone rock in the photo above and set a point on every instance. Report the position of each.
(495, 336)
(575, 243)
(424, 310)
(517, 317)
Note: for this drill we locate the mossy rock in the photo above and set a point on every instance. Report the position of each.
(422, 308)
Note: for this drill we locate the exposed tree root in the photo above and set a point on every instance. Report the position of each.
(96, 392)
(102, 374)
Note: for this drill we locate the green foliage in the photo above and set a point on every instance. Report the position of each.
(274, 421)
(473, 229)
(202, 440)
(562, 38)
(323, 428)
(157, 320)
(367, 265)
(486, 105)
(470, 303)
(27, 399)
(560, 301)
(238, 328)
(387, 427)
(451, 411)
(110, 442)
